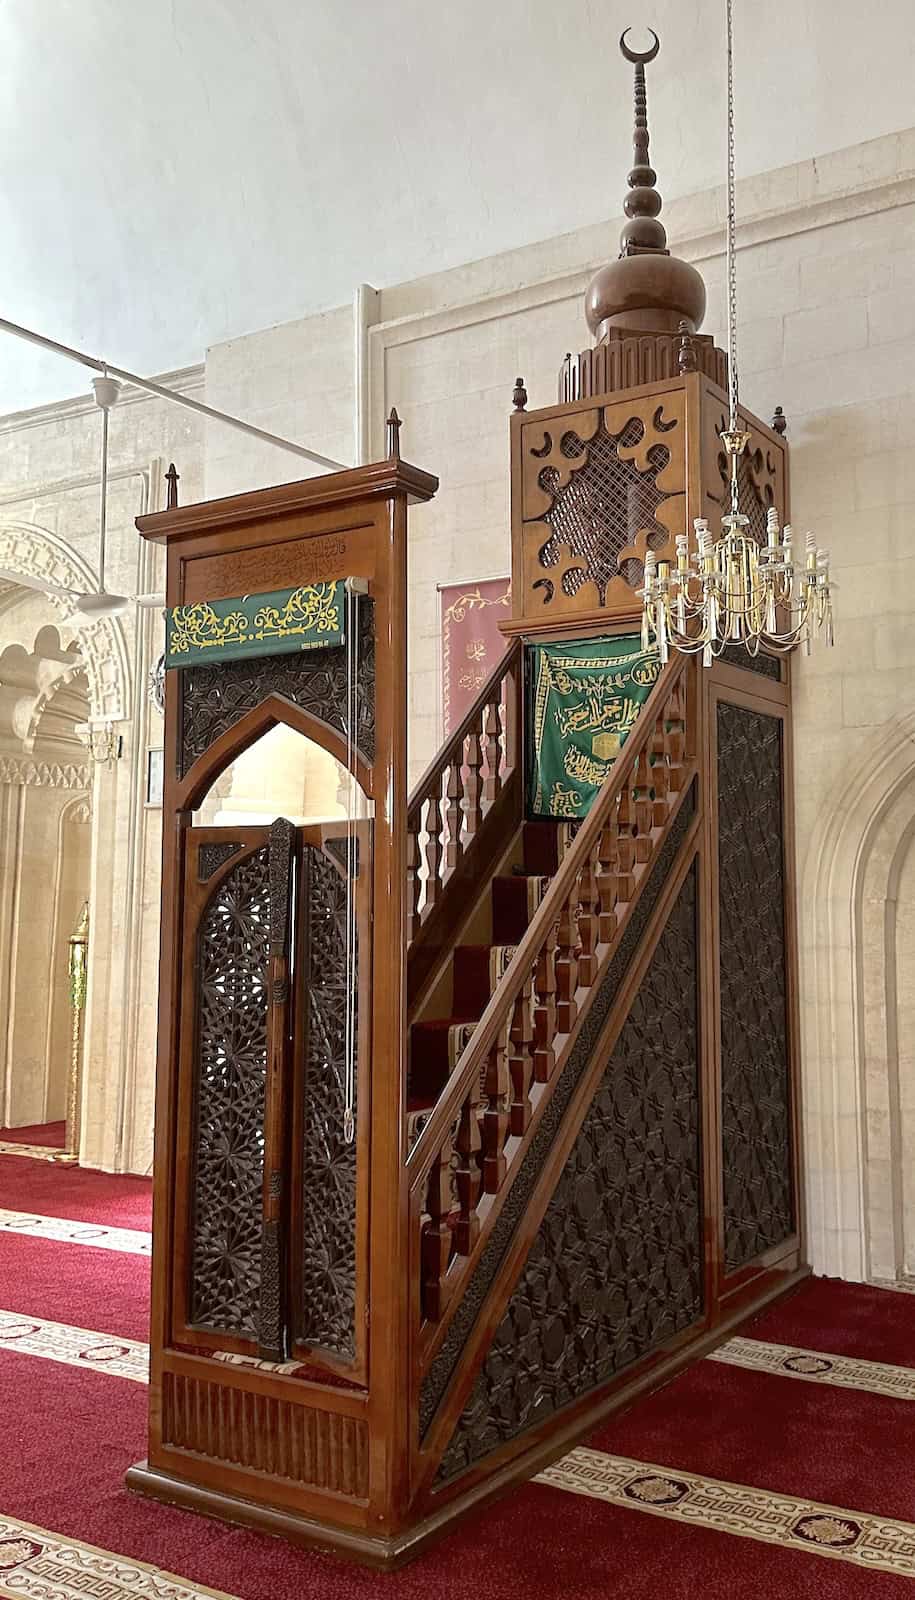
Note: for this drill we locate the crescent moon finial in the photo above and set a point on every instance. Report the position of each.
(637, 56)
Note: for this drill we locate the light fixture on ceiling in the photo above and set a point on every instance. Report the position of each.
(731, 590)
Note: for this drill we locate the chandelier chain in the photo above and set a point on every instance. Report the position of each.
(731, 228)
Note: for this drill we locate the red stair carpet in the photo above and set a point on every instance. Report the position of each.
(658, 1505)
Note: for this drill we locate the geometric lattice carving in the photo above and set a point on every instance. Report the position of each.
(737, 655)
(326, 1313)
(603, 507)
(210, 857)
(755, 1076)
(444, 1365)
(213, 698)
(616, 1268)
(230, 1078)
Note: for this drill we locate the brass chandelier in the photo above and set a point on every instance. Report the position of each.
(730, 590)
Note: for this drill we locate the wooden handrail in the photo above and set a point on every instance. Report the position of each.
(458, 814)
(548, 984)
(455, 741)
(487, 1029)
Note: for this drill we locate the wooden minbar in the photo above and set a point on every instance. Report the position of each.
(568, 1052)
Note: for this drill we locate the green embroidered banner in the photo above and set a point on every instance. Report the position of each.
(585, 696)
(307, 618)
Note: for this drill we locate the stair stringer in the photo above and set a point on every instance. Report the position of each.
(449, 1381)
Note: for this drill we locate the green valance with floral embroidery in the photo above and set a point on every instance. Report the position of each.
(310, 617)
(583, 699)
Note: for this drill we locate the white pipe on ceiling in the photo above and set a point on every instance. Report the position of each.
(159, 389)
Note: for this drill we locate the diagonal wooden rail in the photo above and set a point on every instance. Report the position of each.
(463, 1164)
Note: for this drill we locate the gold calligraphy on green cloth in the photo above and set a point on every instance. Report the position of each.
(310, 617)
(584, 697)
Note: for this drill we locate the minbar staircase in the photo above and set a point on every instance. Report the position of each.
(482, 1076)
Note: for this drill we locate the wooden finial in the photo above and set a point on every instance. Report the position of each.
(172, 479)
(393, 435)
(519, 396)
(780, 422)
(686, 354)
(642, 204)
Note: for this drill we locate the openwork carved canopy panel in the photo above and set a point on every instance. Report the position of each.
(326, 1314)
(755, 1076)
(213, 698)
(599, 488)
(230, 1077)
(760, 474)
(616, 1268)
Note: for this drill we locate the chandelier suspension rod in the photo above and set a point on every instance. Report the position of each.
(731, 229)
(159, 389)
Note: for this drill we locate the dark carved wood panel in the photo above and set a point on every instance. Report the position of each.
(325, 1315)
(755, 1078)
(213, 698)
(210, 857)
(229, 1088)
(280, 1438)
(599, 512)
(616, 1268)
(737, 655)
(442, 1369)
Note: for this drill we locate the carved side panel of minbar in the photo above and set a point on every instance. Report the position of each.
(756, 1110)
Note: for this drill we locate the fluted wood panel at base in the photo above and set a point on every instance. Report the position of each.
(281, 1438)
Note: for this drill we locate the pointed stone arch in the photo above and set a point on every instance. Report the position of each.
(36, 552)
(850, 880)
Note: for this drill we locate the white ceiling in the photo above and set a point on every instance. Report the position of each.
(177, 172)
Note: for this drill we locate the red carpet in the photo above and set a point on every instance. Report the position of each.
(69, 1435)
(52, 1134)
(75, 1192)
(847, 1319)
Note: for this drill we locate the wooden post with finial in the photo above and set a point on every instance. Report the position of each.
(686, 352)
(392, 435)
(519, 395)
(172, 479)
(780, 422)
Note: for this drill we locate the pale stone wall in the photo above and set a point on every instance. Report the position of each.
(49, 527)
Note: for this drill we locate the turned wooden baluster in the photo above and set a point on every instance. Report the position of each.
(454, 812)
(434, 850)
(607, 881)
(473, 783)
(642, 807)
(521, 1059)
(437, 1238)
(469, 1176)
(414, 882)
(588, 916)
(567, 963)
(545, 1010)
(625, 844)
(675, 718)
(497, 1088)
(494, 751)
(659, 774)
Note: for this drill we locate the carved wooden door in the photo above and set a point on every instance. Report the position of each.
(270, 1192)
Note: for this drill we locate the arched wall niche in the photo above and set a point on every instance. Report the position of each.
(30, 551)
(857, 950)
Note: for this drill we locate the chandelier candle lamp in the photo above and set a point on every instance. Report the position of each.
(731, 590)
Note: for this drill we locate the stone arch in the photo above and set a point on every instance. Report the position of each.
(35, 552)
(849, 894)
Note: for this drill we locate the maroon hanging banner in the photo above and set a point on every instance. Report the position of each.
(471, 641)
